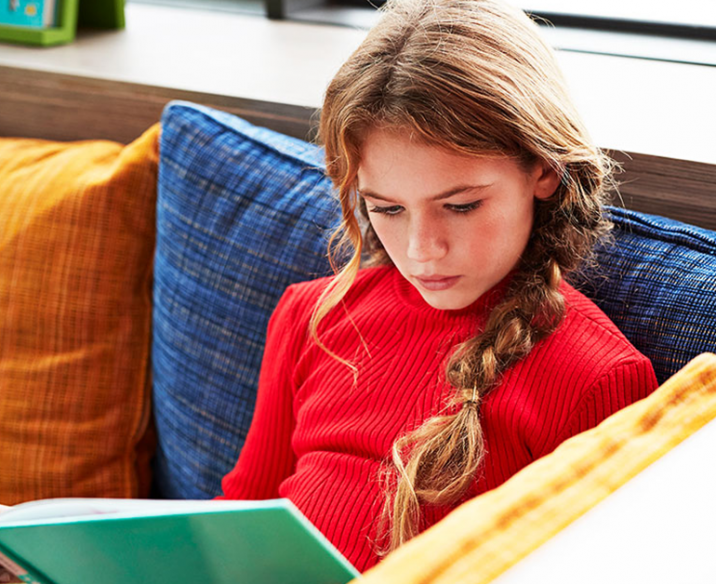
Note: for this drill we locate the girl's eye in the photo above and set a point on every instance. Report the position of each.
(464, 208)
(392, 210)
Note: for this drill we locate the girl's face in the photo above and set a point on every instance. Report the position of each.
(453, 225)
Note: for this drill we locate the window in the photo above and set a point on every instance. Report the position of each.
(697, 13)
(680, 31)
(686, 18)
(257, 7)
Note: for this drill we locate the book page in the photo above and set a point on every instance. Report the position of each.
(79, 508)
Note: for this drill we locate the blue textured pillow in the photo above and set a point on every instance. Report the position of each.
(242, 213)
(657, 282)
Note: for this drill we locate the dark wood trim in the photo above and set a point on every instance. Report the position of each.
(680, 189)
(36, 104)
(52, 106)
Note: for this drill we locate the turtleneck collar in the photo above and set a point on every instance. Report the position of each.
(411, 297)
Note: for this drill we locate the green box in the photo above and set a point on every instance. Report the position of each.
(107, 14)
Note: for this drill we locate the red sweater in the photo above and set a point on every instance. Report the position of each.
(318, 439)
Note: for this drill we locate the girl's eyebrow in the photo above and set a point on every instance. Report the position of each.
(444, 195)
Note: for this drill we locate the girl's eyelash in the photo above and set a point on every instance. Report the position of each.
(393, 210)
(465, 208)
(396, 209)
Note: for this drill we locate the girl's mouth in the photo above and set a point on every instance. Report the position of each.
(437, 283)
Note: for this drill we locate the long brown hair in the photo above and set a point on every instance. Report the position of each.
(474, 77)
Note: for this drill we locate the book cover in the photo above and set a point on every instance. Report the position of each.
(28, 13)
(115, 541)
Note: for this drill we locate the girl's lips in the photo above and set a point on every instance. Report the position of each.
(437, 283)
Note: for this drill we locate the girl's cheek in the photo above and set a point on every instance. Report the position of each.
(382, 230)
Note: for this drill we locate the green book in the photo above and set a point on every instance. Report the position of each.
(124, 541)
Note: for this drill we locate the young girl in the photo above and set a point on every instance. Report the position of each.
(392, 393)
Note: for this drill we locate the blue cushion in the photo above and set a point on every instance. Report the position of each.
(657, 282)
(242, 213)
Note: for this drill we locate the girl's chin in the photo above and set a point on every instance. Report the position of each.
(444, 301)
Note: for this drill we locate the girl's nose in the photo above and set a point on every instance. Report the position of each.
(426, 241)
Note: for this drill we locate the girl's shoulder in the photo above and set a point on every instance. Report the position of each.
(366, 278)
(587, 329)
(584, 312)
(301, 299)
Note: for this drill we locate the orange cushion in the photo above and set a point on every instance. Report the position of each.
(76, 249)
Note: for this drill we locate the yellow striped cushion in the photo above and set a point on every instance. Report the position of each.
(76, 249)
(485, 536)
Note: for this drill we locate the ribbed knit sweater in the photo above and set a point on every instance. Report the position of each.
(319, 435)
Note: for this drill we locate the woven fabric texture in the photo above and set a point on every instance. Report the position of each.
(484, 537)
(76, 250)
(242, 213)
(657, 282)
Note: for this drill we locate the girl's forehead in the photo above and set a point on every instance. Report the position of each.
(383, 148)
(384, 136)
(392, 165)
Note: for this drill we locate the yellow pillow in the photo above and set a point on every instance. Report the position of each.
(76, 249)
(487, 535)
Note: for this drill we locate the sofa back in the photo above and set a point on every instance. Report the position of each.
(657, 281)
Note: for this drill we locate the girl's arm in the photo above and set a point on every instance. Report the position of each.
(620, 387)
(267, 457)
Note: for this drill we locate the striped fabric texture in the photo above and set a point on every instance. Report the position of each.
(242, 213)
(76, 248)
(657, 282)
(489, 534)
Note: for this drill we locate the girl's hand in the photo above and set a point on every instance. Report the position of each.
(5, 576)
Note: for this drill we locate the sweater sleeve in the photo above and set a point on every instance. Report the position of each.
(267, 458)
(621, 386)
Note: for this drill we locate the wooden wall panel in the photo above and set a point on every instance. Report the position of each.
(680, 189)
(36, 104)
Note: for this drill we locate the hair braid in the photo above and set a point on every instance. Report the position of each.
(437, 463)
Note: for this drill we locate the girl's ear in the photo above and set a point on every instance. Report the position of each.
(547, 181)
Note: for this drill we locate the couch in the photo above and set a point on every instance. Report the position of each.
(136, 283)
